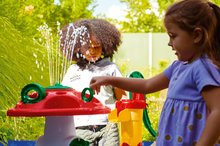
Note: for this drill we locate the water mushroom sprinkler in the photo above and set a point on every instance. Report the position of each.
(58, 104)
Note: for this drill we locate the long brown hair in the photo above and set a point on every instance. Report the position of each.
(191, 14)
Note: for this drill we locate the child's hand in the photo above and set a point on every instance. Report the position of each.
(97, 82)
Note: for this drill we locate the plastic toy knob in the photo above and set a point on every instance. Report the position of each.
(41, 94)
(136, 74)
(83, 94)
(79, 142)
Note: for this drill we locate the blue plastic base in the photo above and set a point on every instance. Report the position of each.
(32, 143)
(146, 143)
(20, 143)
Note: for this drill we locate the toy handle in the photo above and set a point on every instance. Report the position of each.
(41, 93)
(146, 118)
(83, 94)
(134, 74)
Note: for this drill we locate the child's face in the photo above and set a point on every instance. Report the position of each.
(182, 42)
(94, 52)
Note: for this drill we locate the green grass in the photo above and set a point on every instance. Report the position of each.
(18, 67)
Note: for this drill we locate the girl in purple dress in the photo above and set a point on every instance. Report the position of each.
(191, 112)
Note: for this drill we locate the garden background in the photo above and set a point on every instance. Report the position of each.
(24, 54)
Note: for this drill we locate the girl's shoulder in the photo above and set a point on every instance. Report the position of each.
(74, 66)
(202, 62)
(211, 68)
(206, 63)
(106, 63)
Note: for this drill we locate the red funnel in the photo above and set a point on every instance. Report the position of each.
(55, 101)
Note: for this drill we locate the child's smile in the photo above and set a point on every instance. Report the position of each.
(94, 52)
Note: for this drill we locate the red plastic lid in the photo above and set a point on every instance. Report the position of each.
(59, 102)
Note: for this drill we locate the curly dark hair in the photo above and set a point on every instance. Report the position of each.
(107, 35)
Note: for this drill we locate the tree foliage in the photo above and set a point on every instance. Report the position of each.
(140, 17)
(28, 15)
(143, 16)
(217, 2)
(23, 60)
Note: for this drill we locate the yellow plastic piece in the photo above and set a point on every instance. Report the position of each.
(130, 125)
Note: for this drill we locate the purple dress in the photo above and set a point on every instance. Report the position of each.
(184, 112)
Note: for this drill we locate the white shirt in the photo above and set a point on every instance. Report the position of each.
(79, 79)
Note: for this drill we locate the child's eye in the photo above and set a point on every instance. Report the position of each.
(172, 36)
(96, 47)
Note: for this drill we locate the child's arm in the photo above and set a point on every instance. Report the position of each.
(137, 85)
(211, 133)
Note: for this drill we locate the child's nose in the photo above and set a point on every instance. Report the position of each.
(170, 43)
(92, 50)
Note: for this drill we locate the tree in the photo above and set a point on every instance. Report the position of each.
(28, 15)
(23, 60)
(142, 16)
(217, 2)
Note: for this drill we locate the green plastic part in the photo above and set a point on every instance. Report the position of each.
(135, 74)
(147, 123)
(41, 94)
(83, 94)
(57, 86)
(79, 142)
(146, 118)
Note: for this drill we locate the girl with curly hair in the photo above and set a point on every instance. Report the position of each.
(94, 42)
